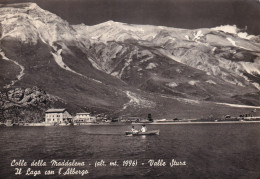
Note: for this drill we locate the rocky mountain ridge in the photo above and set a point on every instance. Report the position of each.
(125, 69)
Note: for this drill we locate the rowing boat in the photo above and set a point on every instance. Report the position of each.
(153, 132)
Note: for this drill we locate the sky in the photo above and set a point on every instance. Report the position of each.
(190, 14)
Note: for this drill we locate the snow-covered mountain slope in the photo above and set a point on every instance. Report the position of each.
(18, 77)
(202, 45)
(29, 23)
(116, 31)
(124, 68)
(203, 49)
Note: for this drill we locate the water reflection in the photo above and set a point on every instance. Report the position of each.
(211, 150)
(143, 136)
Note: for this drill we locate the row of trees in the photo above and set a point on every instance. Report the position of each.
(22, 114)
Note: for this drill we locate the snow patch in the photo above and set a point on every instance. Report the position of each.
(251, 68)
(187, 37)
(137, 101)
(211, 82)
(232, 29)
(239, 105)
(172, 84)
(257, 86)
(232, 41)
(94, 64)
(151, 66)
(146, 59)
(33, 6)
(193, 82)
(19, 77)
(143, 54)
(191, 101)
(245, 35)
(116, 73)
(3, 55)
(58, 59)
(198, 35)
(169, 55)
(127, 63)
(161, 27)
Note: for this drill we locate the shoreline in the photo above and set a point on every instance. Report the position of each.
(119, 124)
(207, 122)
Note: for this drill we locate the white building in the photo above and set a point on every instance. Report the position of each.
(57, 116)
(82, 118)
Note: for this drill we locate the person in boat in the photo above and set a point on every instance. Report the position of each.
(134, 130)
(143, 129)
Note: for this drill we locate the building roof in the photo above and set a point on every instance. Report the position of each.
(55, 110)
(83, 113)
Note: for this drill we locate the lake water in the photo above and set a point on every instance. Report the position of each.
(209, 150)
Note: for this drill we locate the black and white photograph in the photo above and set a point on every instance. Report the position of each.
(130, 89)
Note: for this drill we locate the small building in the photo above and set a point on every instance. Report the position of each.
(83, 118)
(57, 116)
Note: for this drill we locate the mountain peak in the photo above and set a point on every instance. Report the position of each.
(110, 23)
(126, 68)
(29, 23)
(33, 5)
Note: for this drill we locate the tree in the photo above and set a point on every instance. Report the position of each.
(150, 117)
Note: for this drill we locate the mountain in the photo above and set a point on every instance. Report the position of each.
(128, 70)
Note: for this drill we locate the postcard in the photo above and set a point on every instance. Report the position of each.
(129, 89)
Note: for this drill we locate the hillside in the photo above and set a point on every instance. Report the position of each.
(127, 70)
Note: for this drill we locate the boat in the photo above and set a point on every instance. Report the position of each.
(153, 132)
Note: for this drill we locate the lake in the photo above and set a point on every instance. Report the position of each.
(208, 150)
